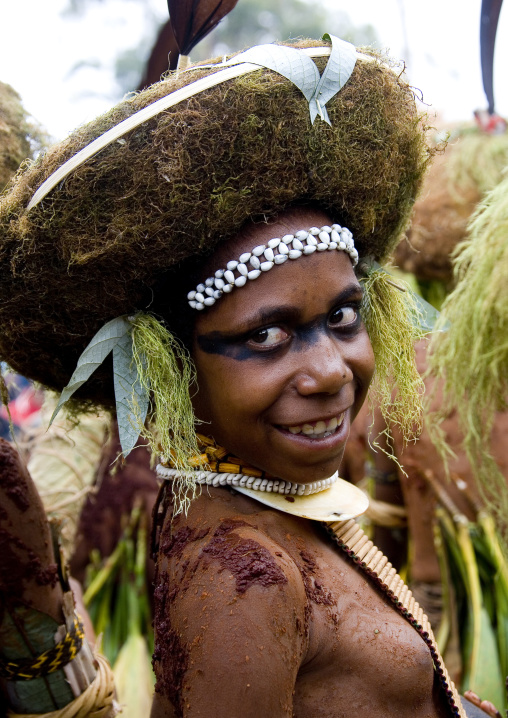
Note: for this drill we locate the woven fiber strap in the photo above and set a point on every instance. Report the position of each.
(48, 662)
(356, 544)
(97, 701)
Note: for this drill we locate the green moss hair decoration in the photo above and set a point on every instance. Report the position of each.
(166, 370)
(394, 323)
(472, 356)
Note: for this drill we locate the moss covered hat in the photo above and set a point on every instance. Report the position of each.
(111, 228)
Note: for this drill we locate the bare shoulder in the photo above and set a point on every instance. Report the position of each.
(227, 595)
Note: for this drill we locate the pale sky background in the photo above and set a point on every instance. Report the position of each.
(40, 50)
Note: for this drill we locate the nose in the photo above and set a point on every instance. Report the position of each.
(323, 367)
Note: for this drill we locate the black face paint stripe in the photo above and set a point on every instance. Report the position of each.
(303, 336)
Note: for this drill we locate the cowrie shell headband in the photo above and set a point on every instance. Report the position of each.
(265, 256)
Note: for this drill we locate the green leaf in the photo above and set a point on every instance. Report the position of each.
(92, 357)
(289, 62)
(482, 672)
(131, 396)
(429, 314)
(337, 72)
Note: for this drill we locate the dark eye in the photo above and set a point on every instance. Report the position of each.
(343, 316)
(269, 337)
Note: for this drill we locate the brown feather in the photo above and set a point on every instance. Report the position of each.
(164, 57)
(192, 20)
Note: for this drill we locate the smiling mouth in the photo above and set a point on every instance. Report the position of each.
(317, 429)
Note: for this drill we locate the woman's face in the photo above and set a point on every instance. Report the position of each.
(284, 363)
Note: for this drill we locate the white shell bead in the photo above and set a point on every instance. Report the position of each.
(294, 253)
(242, 268)
(326, 228)
(311, 241)
(287, 238)
(240, 281)
(227, 288)
(272, 243)
(309, 249)
(301, 234)
(321, 247)
(297, 244)
(209, 301)
(283, 248)
(335, 236)
(218, 293)
(200, 306)
(254, 262)
(193, 303)
(342, 245)
(258, 250)
(209, 291)
(232, 265)
(200, 288)
(219, 273)
(268, 254)
(265, 266)
(280, 258)
(245, 257)
(209, 282)
(336, 227)
(324, 237)
(192, 294)
(229, 276)
(199, 297)
(219, 283)
(254, 273)
(333, 245)
(314, 230)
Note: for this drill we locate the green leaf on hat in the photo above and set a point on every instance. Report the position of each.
(289, 62)
(93, 356)
(131, 396)
(337, 72)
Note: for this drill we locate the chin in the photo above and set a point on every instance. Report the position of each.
(306, 475)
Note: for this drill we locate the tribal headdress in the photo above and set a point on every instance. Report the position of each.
(102, 239)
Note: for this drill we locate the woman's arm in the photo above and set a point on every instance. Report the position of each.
(230, 626)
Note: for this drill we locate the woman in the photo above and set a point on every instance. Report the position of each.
(171, 237)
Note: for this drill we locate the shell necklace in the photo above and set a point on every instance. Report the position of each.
(326, 500)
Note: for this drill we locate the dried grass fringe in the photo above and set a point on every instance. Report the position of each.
(472, 356)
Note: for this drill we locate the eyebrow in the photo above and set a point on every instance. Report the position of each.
(285, 313)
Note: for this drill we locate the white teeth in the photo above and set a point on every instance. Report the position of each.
(332, 424)
(318, 430)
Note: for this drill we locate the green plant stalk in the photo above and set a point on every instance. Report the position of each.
(104, 574)
(482, 672)
(443, 634)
